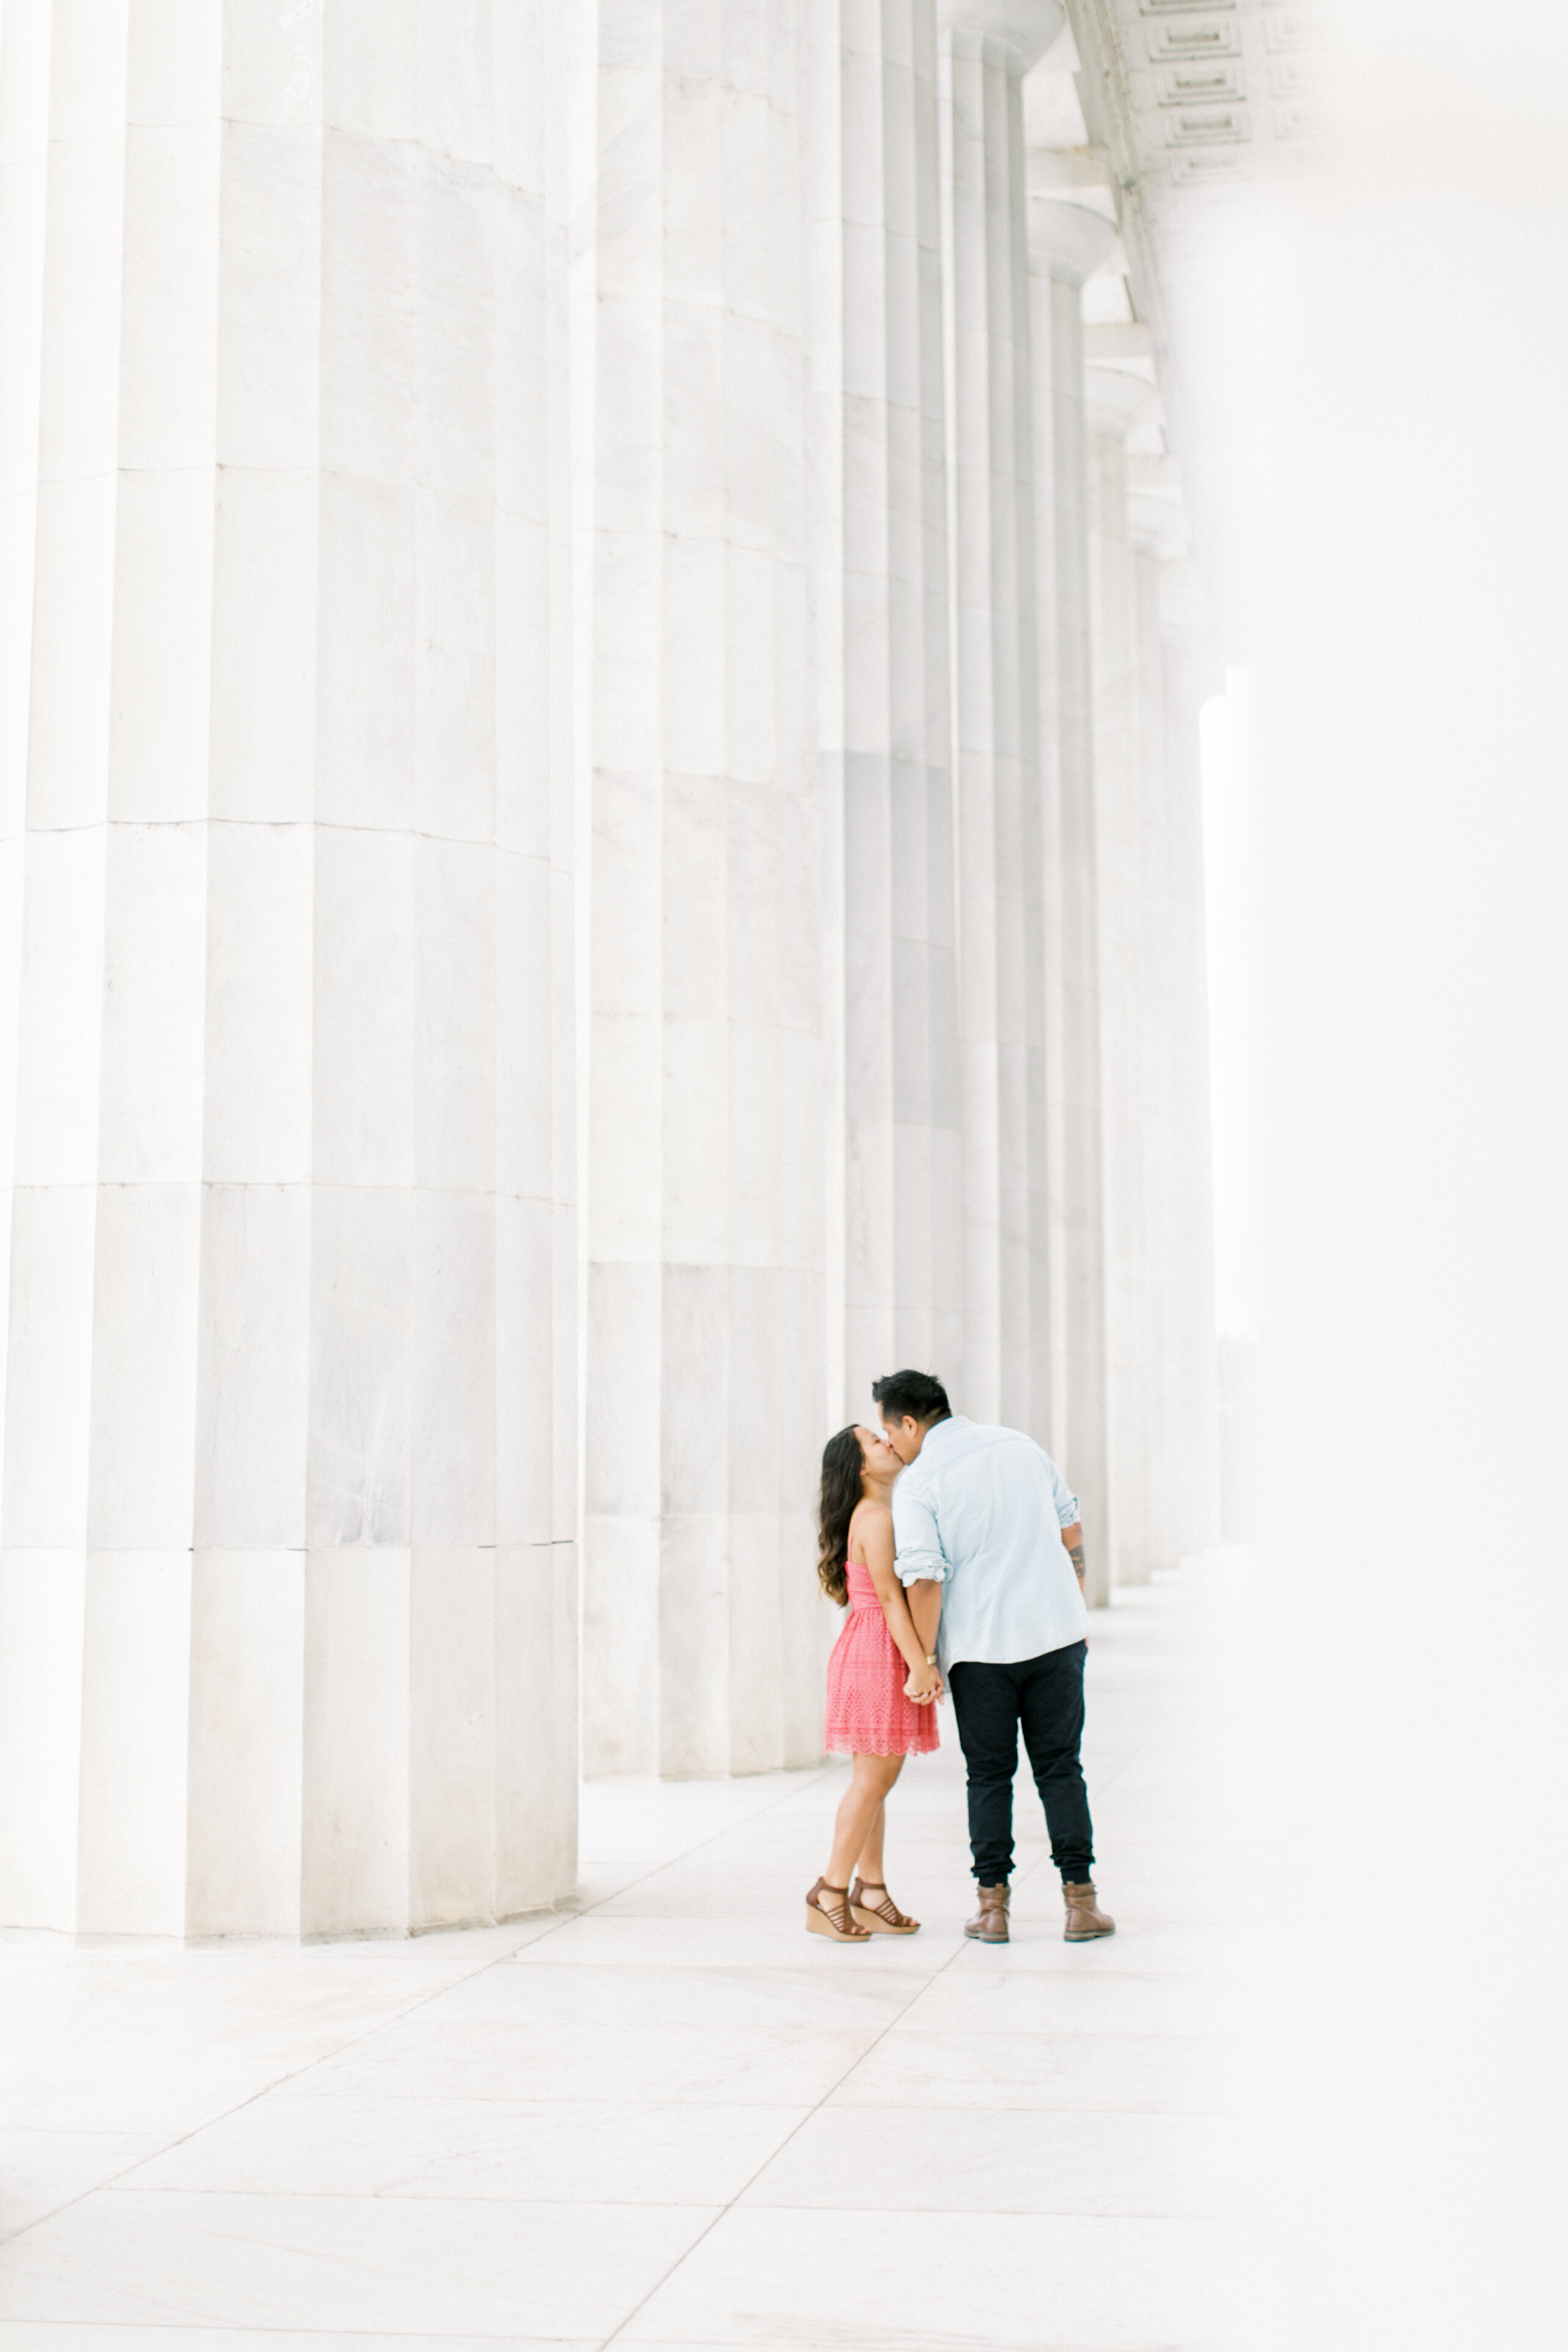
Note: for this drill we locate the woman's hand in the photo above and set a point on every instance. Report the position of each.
(925, 1684)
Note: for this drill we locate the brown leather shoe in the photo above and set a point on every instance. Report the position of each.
(989, 1924)
(1085, 1919)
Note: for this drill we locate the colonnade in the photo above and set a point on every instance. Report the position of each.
(600, 844)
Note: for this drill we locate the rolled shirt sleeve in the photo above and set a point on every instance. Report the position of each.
(1066, 1502)
(917, 1547)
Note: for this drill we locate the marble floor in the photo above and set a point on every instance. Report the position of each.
(664, 2117)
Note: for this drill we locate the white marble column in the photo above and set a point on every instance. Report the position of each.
(986, 46)
(1186, 1512)
(1067, 244)
(883, 688)
(1151, 1128)
(1118, 402)
(704, 1274)
(1168, 1341)
(288, 1596)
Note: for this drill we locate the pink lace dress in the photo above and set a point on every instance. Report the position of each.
(868, 1714)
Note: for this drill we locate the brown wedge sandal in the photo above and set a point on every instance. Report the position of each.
(883, 1918)
(831, 1915)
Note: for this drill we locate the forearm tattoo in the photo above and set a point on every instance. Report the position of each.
(1075, 1554)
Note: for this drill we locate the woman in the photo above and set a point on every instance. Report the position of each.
(880, 1702)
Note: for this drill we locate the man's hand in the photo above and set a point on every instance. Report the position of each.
(925, 1684)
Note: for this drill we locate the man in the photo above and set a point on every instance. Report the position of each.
(990, 1548)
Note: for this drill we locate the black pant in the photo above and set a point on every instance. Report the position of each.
(1046, 1695)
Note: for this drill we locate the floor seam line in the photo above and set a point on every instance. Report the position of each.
(469, 1975)
(813, 1774)
(815, 2109)
(403, 2122)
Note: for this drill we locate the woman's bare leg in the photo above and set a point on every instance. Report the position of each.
(859, 1809)
(869, 1864)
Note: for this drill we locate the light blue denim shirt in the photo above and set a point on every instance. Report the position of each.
(980, 1511)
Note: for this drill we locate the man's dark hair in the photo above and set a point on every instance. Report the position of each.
(914, 1393)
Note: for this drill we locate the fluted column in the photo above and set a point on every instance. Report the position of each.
(894, 1192)
(1150, 1122)
(1067, 244)
(987, 46)
(1176, 671)
(705, 1283)
(1165, 1298)
(287, 1597)
(1189, 1374)
(1118, 401)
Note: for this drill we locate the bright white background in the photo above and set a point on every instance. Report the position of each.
(1378, 367)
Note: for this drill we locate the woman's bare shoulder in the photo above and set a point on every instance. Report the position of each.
(870, 1522)
(871, 1525)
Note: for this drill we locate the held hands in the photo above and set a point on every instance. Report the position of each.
(925, 1684)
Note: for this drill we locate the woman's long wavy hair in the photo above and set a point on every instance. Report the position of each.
(842, 1463)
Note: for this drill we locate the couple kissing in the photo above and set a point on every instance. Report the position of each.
(957, 1550)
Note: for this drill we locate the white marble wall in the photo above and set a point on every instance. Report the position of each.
(880, 503)
(704, 1187)
(286, 1602)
